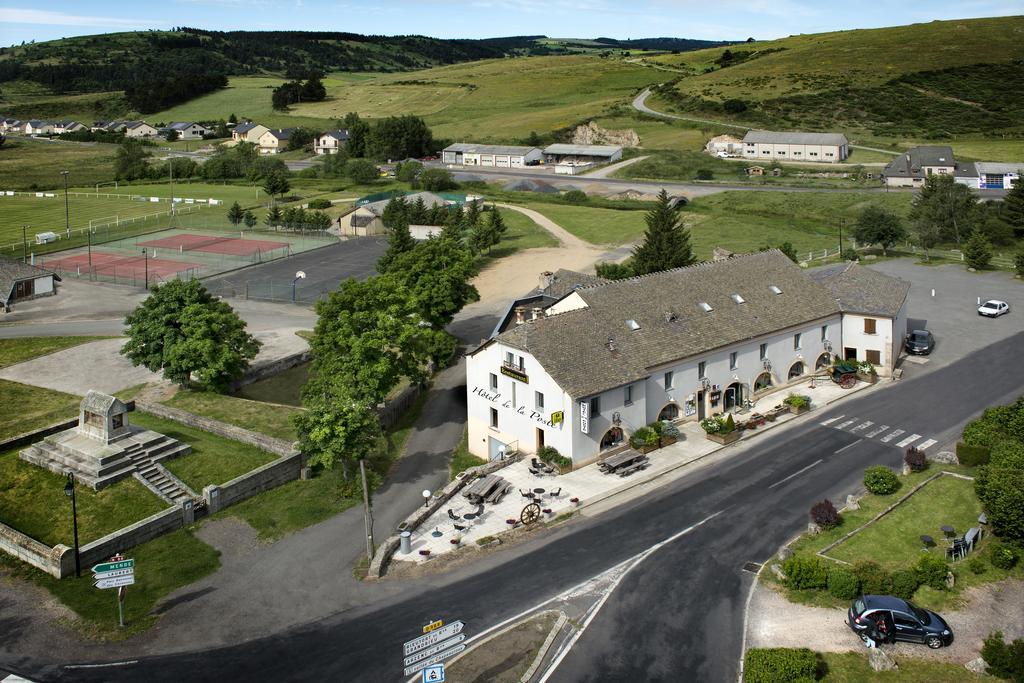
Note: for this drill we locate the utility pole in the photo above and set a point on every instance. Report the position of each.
(24, 243)
(170, 165)
(367, 517)
(67, 214)
(841, 221)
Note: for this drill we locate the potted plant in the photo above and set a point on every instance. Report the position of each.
(551, 456)
(669, 433)
(797, 404)
(644, 440)
(720, 429)
(866, 372)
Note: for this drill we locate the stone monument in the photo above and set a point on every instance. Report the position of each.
(104, 448)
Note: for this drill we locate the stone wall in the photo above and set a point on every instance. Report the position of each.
(393, 410)
(261, 441)
(130, 536)
(264, 370)
(271, 475)
(58, 561)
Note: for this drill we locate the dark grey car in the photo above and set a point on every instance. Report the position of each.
(912, 624)
(920, 342)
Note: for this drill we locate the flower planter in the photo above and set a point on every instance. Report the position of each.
(867, 377)
(771, 416)
(799, 410)
(647, 449)
(667, 441)
(724, 438)
(575, 501)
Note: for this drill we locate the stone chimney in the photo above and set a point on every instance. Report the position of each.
(546, 278)
(520, 315)
(536, 312)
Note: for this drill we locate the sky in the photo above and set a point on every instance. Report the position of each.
(720, 20)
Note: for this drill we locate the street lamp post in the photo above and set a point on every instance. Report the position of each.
(145, 262)
(299, 275)
(67, 213)
(426, 498)
(69, 491)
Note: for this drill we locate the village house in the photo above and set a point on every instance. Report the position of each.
(21, 282)
(37, 127)
(139, 129)
(911, 168)
(247, 131)
(606, 358)
(792, 146)
(988, 175)
(274, 141)
(188, 130)
(330, 142)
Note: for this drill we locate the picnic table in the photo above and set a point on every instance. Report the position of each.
(622, 461)
(491, 489)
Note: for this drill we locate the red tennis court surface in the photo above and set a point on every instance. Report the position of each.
(104, 263)
(215, 245)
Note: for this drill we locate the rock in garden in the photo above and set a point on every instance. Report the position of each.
(906, 470)
(977, 665)
(777, 571)
(813, 529)
(950, 580)
(944, 457)
(785, 554)
(880, 661)
(852, 502)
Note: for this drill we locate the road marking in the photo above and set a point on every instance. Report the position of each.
(831, 420)
(127, 662)
(798, 472)
(889, 437)
(849, 445)
(876, 431)
(844, 425)
(909, 440)
(925, 444)
(862, 425)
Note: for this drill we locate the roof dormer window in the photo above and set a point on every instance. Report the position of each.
(706, 307)
(774, 289)
(738, 299)
(633, 325)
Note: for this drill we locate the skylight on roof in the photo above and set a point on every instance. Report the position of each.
(775, 290)
(632, 324)
(706, 306)
(738, 299)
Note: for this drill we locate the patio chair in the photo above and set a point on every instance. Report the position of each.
(526, 494)
(452, 516)
(479, 510)
(460, 527)
(958, 550)
(557, 492)
(536, 463)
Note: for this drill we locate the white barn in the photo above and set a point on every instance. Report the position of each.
(770, 145)
(497, 156)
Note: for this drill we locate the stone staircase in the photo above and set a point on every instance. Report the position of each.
(155, 477)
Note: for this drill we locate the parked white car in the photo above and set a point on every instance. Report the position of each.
(994, 308)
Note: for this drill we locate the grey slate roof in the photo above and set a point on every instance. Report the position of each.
(245, 127)
(910, 163)
(281, 133)
(794, 138)
(181, 125)
(997, 167)
(430, 200)
(511, 150)
(573, 347)
(564, 282)
(340, 135)
(862, 290)
(12, 271)
(559, 149)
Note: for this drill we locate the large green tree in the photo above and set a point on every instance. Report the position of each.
(338, 425)
(276, 183)
(666, 243)
(944, 207)
(977, 250)
(399, 137)
(183, 331)
(400, 241)
(1013, 207)
(235, 214)
(361, 171)
(437, 274)
(358, 131)
(877, 225)
(130, 162)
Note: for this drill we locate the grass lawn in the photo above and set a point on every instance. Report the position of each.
(25, 348)
(853, 667)
(299, 504)
(896, 537)
(462, 459)
(32, 501)
(272, 420)
(595, 225)
(213, 460)
(29, 164)
(37, 408)
(161, 566)
(523, 233)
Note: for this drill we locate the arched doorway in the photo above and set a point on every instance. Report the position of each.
(669, 412)
(733, 396)
(796, 370)
(763, 381)
(824, 360)
(613, 437)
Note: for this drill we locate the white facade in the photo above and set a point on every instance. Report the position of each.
(785, 152)
(142, 130)
(191, 132)
(328, 144)
(875, 339)
(494, 156)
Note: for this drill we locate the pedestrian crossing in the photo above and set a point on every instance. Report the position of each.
(887, 434)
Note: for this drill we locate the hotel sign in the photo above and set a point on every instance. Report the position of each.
(557, 417)
(515, 374)
(585, 417)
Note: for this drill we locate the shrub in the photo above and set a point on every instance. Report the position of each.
(976, 565)
(1005, 660)
(550, 455)
(705, 174)
(716, 424)
(797, 401)
(575, 197)
(668, 429)
(880, 480)
(916, 460)
(824, 514)
(645, 436)
(1003, 556)
(1001, 490)
(931, 571)
(867, 368)
(320, 203)
(843, 583)
(734, 106)
(656, 427)
(904, 583)
(984, 431)
(805, 571)
(873, 579)
(972, 456)
(779, 665)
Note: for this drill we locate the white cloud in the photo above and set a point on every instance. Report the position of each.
(16, 15)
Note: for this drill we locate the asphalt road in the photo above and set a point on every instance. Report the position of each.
(678, 615)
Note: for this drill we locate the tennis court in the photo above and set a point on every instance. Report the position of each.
(236, 246)
(137, 269)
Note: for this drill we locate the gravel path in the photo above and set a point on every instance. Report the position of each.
(776, 622)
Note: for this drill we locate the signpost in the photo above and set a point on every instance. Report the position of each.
(117, 573)
(585, 417)
(426, 652)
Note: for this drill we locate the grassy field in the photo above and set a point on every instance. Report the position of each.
(32, 501)
(595, 225)
(27, 164)
(25, 348)
(522, 233)
(853, 667)
(36, 408)
(213, 460)
(270, 419)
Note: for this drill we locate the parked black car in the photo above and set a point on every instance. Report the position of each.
(920, 342)
(913, 624)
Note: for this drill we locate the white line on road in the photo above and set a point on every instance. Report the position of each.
(844, 425)
(889, 437)
(798, 472)
(925, 444)
(127, 662)
(862, 425)
(832, 419)
(909, 440)
(849, 445)
(876, 431)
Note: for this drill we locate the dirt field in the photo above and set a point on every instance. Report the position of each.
(505, 658)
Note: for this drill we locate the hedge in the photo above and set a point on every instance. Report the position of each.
(880, 480)
(904, 583)
(931, 571)
(805, 571)
(843, 583)
(972, 456)
(779, 665)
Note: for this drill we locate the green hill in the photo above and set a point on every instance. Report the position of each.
(934, 80)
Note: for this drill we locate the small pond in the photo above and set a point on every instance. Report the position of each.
(284, 387)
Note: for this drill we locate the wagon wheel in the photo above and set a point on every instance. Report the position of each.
(847, 381)
(530, 514)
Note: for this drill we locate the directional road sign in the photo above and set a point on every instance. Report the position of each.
(434, 649)
(97, 576)
(116, 582)
(434, 674)
(439, 657)
(110, 566)
(433, 637)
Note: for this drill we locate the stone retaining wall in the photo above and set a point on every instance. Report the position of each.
(130, 536)
(387, 549)
(271, 475)
(261, 441)
(58, 561)
(265, 370)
